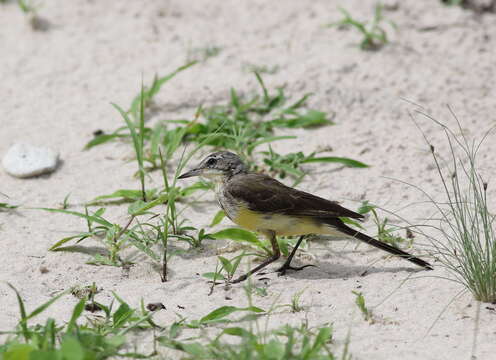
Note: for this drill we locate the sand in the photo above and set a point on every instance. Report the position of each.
(56, 88)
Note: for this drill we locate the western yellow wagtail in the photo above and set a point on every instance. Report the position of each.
(260, 203)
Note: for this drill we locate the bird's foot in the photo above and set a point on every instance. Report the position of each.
(282, 270)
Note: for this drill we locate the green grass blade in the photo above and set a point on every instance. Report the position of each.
(22, 310)
(91, 218)
(76, 313)
(137, 143)
(223, 311)
(44, 306)
(340, 160)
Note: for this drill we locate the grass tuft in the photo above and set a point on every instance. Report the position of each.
(374, 35)
(467, 243)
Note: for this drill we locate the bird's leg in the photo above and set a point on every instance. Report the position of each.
(287, 264)
(276, 254)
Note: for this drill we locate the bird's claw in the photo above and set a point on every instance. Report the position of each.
(282, 270)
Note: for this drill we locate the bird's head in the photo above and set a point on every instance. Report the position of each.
(217, 166)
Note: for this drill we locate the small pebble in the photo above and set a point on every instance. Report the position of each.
(24, 161)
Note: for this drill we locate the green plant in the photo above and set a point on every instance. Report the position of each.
(112, 236)
(366, 312)
(295, 302)
(467, 244)
(287, 342)
(137, 109)
(6, 206)
(373, 33)
(290, 163)
(240, 125)
(385, 231)
(228, 267)
(100, 339)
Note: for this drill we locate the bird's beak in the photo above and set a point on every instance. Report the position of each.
(194, 172)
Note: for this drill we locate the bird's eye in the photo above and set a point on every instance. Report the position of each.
(211, 161)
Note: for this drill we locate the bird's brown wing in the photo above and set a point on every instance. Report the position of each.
(264, 194)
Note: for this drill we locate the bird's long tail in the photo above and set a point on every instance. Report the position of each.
(383, 246)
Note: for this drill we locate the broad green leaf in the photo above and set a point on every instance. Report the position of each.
(71, 348)
(226, 264)
(236, 234)
(45, 355)
(18, 352)
(324, 336)
(274, 350)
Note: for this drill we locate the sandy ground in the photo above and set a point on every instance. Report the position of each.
(55, 90)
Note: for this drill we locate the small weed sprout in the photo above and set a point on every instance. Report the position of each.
(101, 338)
(295, 302)
(30, 9)
(366, 312)
(374, 36)
(385, 231)
(5, 206)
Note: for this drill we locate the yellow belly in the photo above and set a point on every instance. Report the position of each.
(281, 224)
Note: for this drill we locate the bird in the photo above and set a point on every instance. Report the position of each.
(260, 203)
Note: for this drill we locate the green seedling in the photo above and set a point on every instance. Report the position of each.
(385, 232)
(227, 269)
(366, 312)
(287, 342)
(194, 240)
(30, 9)
(137, 137)
(247, 124)
(374, 36)
(112, 236)
(290, 163)
(240, 126)
(141, 102)
(6, 206)
(72, 340)
(128, 195)
(88, 291)
(295, 302)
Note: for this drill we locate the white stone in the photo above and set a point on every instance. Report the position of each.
(23, 160)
